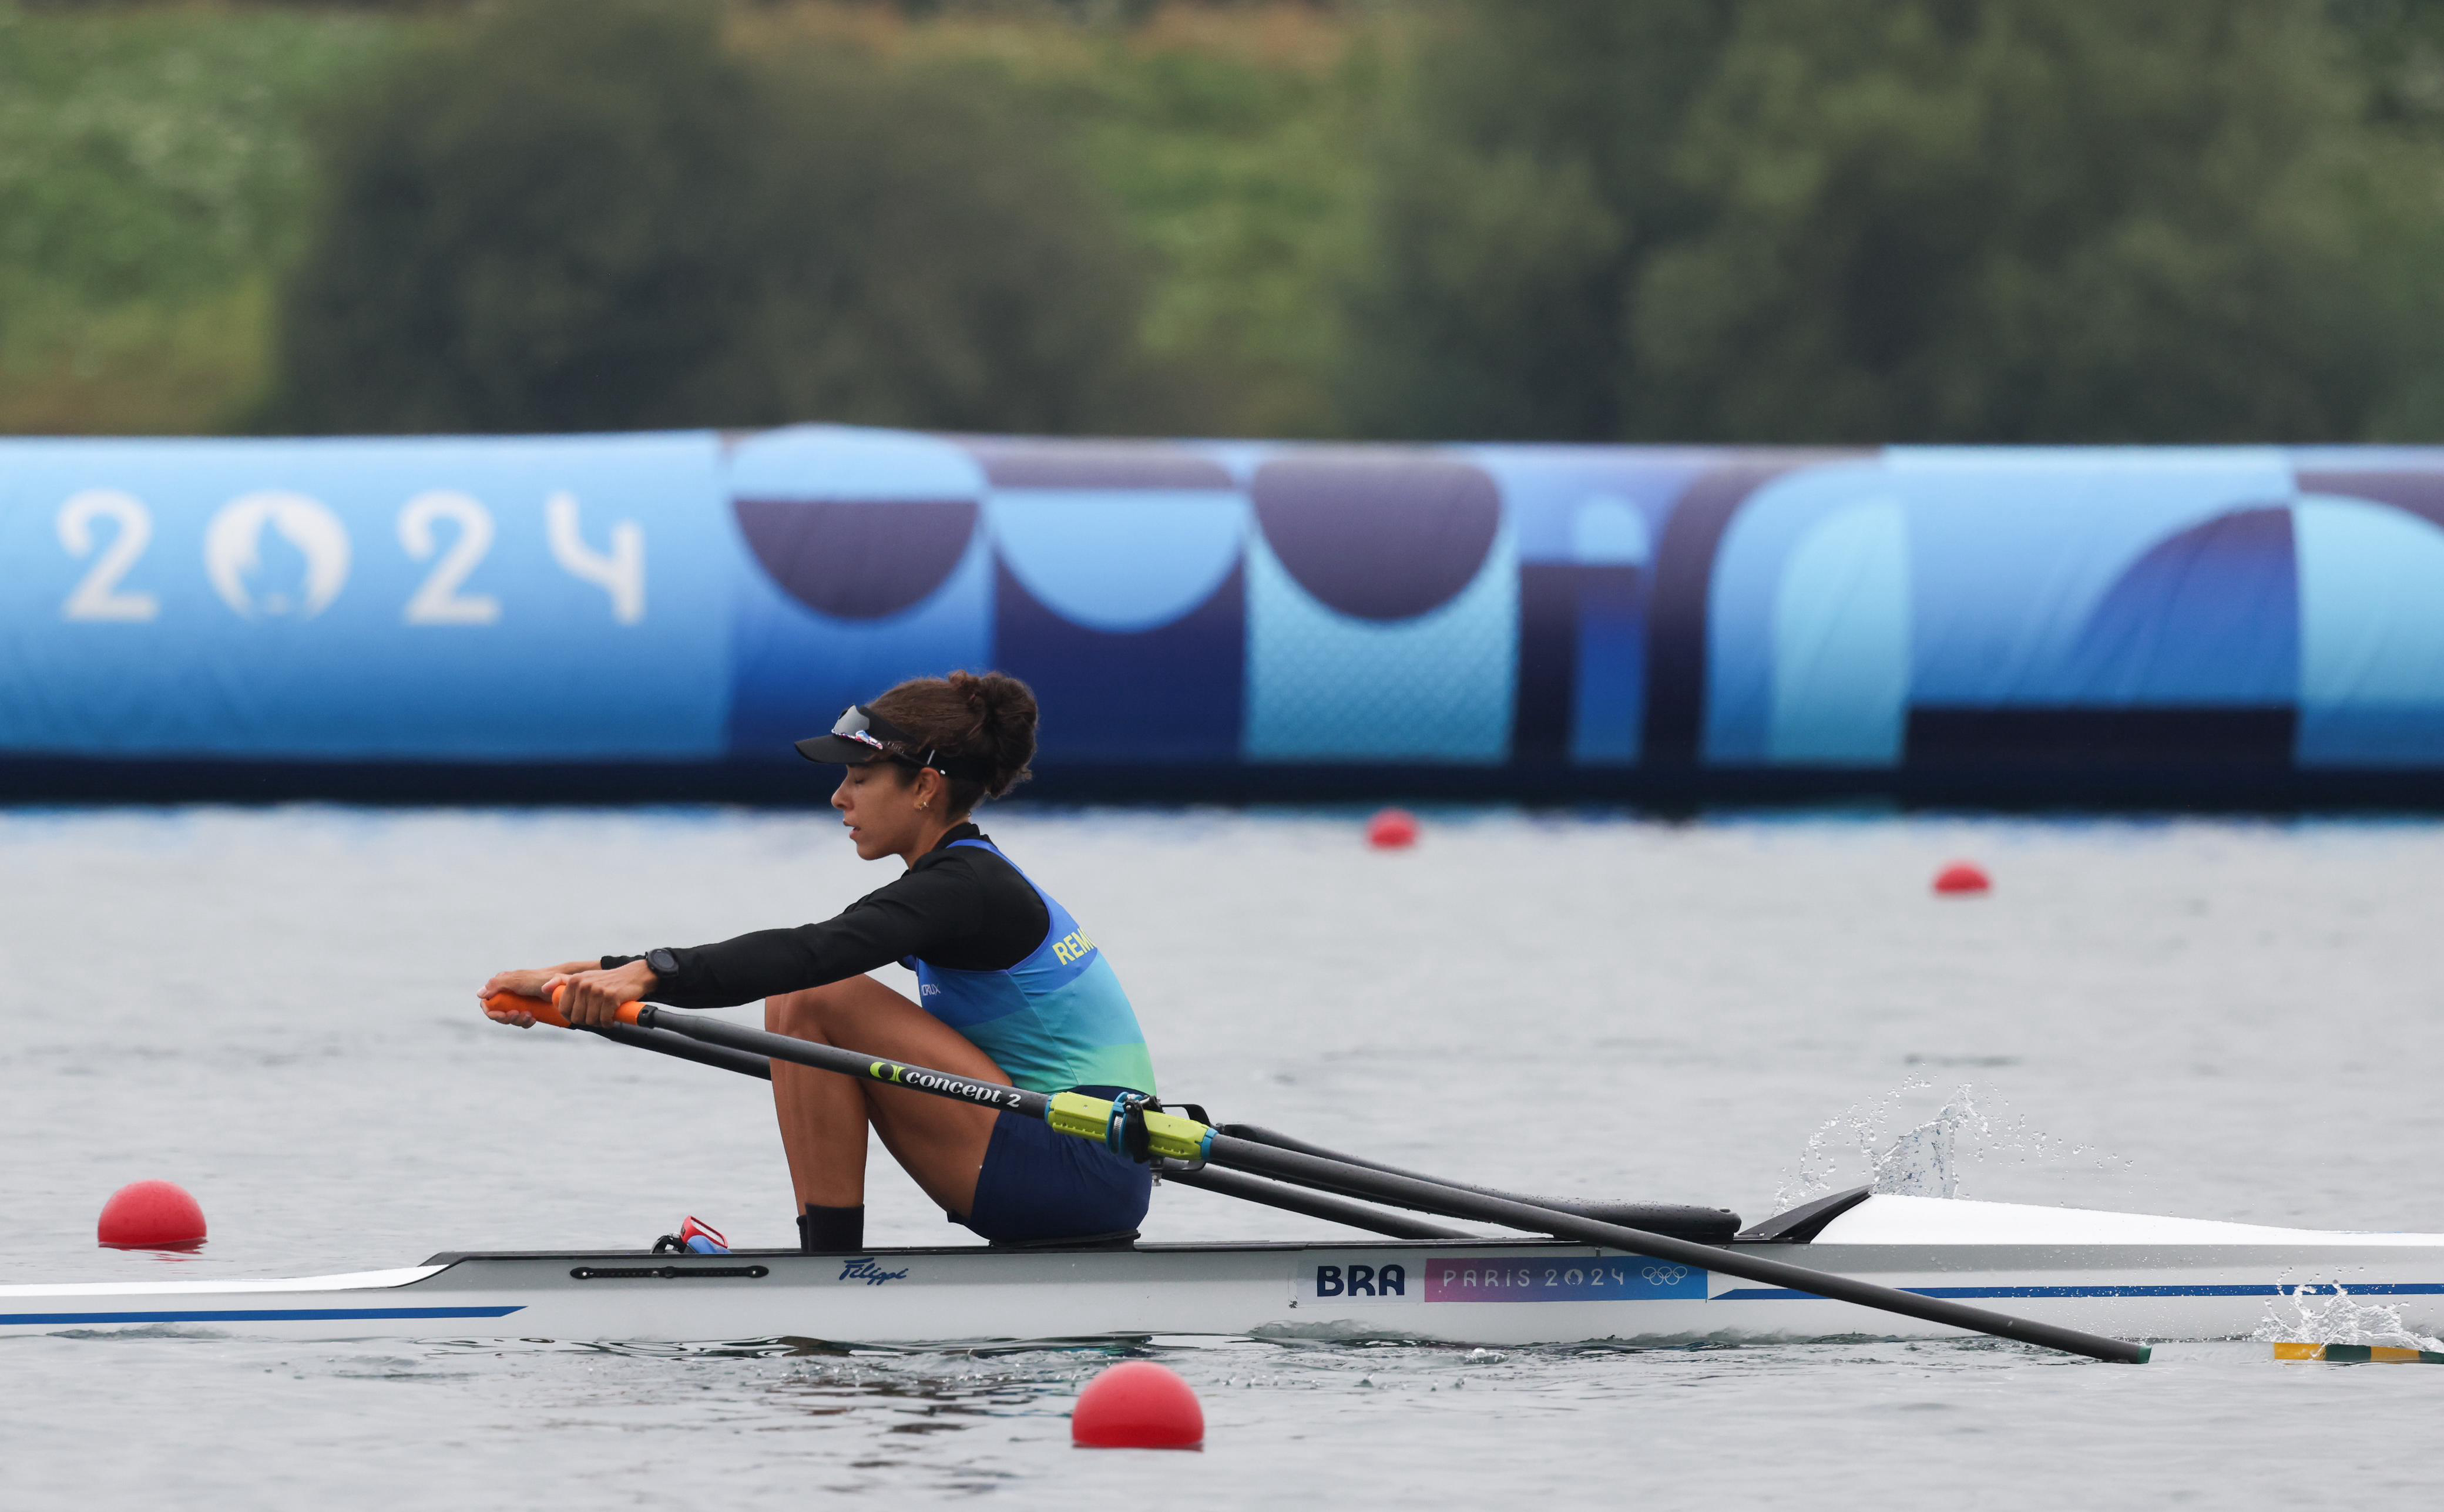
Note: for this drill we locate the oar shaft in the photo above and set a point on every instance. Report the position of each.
(1702, 1224)
(1247, 1188)
(1301, 1201)
(773, 1046)
(1451, 1202)
(662, 1041)
(1420, 1193)
(681, 1047)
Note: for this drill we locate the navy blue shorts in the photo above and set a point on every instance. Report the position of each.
(1037, 1184)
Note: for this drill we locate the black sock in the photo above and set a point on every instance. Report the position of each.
(831, 1230)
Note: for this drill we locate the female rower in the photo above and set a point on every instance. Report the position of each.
(1010, 989)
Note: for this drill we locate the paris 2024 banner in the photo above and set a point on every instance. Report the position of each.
(661, 614)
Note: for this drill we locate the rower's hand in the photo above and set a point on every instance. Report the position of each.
(527, 983)
(592, 998)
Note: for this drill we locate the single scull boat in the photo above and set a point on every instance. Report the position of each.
(1846, 1266)
(2109, 1273)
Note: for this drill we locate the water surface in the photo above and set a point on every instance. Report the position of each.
(275, 1009)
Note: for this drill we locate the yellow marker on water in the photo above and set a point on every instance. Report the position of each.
(2358, 1354)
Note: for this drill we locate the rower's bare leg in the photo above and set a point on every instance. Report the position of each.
(824, 1116)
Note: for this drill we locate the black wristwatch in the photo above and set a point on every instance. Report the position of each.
(662, 962)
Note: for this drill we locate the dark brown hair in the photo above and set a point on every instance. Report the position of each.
(984, 716)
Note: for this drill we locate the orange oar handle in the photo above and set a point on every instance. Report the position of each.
(517, 1002)
(545, 1012)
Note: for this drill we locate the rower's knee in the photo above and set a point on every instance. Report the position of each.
(802, 1015)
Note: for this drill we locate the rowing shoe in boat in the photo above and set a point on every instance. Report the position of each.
(2121, 1274)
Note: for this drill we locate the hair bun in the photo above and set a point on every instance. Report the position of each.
(989, 715)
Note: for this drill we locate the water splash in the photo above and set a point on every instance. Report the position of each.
(1924, 1160)
(1921, 1162)
(2311, 1313)
(1833, 1151)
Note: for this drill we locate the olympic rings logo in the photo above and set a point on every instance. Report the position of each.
(1660, 1275)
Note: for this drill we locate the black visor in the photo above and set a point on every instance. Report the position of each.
(861, 735)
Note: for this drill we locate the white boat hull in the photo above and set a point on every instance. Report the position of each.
(2124, 1275)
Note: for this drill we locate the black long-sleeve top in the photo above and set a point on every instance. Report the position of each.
(960, 907)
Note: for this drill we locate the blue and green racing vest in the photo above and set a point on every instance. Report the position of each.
(1057, 1019)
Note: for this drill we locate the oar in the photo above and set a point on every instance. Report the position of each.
(1296, 1200)
(1247, 1188)
(1706, 1225)
(1167, 1136)
(660, 1040)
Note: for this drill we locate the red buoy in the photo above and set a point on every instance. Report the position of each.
(151, 1215)
(1963, 879)
(1138, 1405)
(1393, 829)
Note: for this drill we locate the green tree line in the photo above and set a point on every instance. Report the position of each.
(1863, 220)
(1706, 220)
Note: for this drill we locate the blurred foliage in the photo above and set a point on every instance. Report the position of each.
(1528, 173)
(590, 214)
(1227, 137)
(1082, 13)
(2399, 44)
(1223, 134)
(153, 175)
(1792, 220)
(1871, 220)
(2025, 221)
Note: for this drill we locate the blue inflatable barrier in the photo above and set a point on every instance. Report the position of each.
(661, 614)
